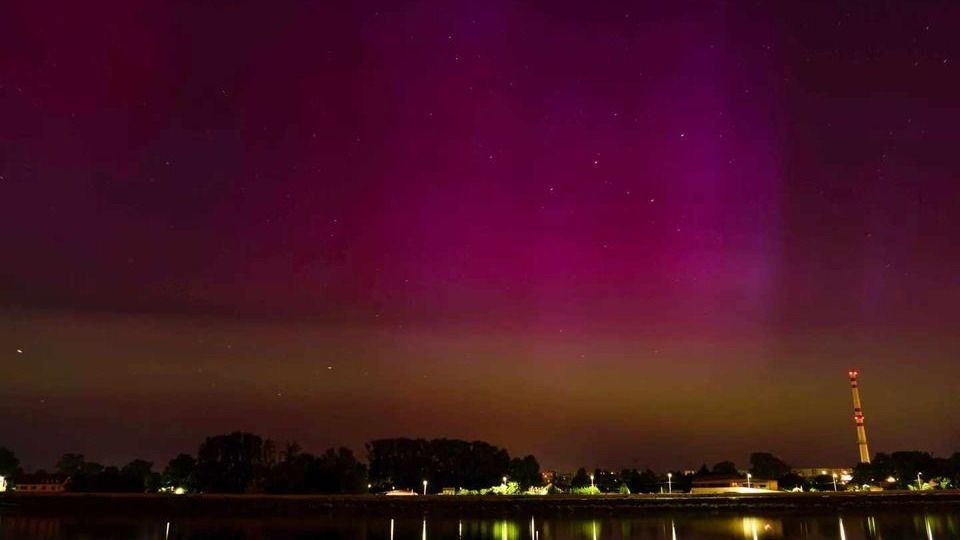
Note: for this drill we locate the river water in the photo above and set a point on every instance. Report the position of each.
(890, 525)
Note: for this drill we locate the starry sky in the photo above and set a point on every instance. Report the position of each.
(606, 233)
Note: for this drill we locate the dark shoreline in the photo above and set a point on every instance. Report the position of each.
(457, 506)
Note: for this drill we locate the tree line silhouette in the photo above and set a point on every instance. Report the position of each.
(241, 462)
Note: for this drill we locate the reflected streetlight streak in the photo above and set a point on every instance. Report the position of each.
(166, 532)
(391, 528)
(423, 535)
(926, 521)
(533, 528)
(460, 529)
(673, 530)
(843, 532)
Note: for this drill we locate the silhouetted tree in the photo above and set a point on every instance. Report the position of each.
(525, 472)
(233, 463)
(791, 481)
(681, 482)
(70, 464)
(9, 462)
(179, 472)
(606, 481)
(903, 468)
(580, 479)
(293, 472)
(338, 471)
(138, 476)
(135, 477)
(768, 466)
(823, 482)
(631, 479)
(405, 463)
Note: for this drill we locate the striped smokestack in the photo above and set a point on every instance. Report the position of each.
(858, 417)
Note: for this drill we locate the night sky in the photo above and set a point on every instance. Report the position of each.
(606, 233)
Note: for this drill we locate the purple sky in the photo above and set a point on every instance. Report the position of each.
(608, 234)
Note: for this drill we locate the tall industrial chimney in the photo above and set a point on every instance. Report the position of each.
(858, 417)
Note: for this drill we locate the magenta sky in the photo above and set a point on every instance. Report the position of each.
(609, 235)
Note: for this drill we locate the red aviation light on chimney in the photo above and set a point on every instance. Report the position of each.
(858, 417)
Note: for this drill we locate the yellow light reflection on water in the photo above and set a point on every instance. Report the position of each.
(761, 528)
(506, 530)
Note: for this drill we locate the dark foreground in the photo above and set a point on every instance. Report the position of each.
(458, 506)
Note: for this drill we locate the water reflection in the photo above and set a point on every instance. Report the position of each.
(872, 528)
(685, 527)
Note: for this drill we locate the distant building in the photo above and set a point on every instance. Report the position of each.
(843, 474)
(555, 478)
(42, 483)
(722, 483)
(401, 493)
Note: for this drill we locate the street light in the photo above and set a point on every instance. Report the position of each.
(834, 481)
(749, 476)
(591, 480)
(424, 487)
(504, 480)
(919, 482)
(669, 482)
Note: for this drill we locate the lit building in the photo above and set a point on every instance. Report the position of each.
(843, 475)
(42, 483)
(723, 483)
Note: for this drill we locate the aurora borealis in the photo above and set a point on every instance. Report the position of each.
(609, 235)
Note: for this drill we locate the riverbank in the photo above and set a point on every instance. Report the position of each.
(481, 506)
